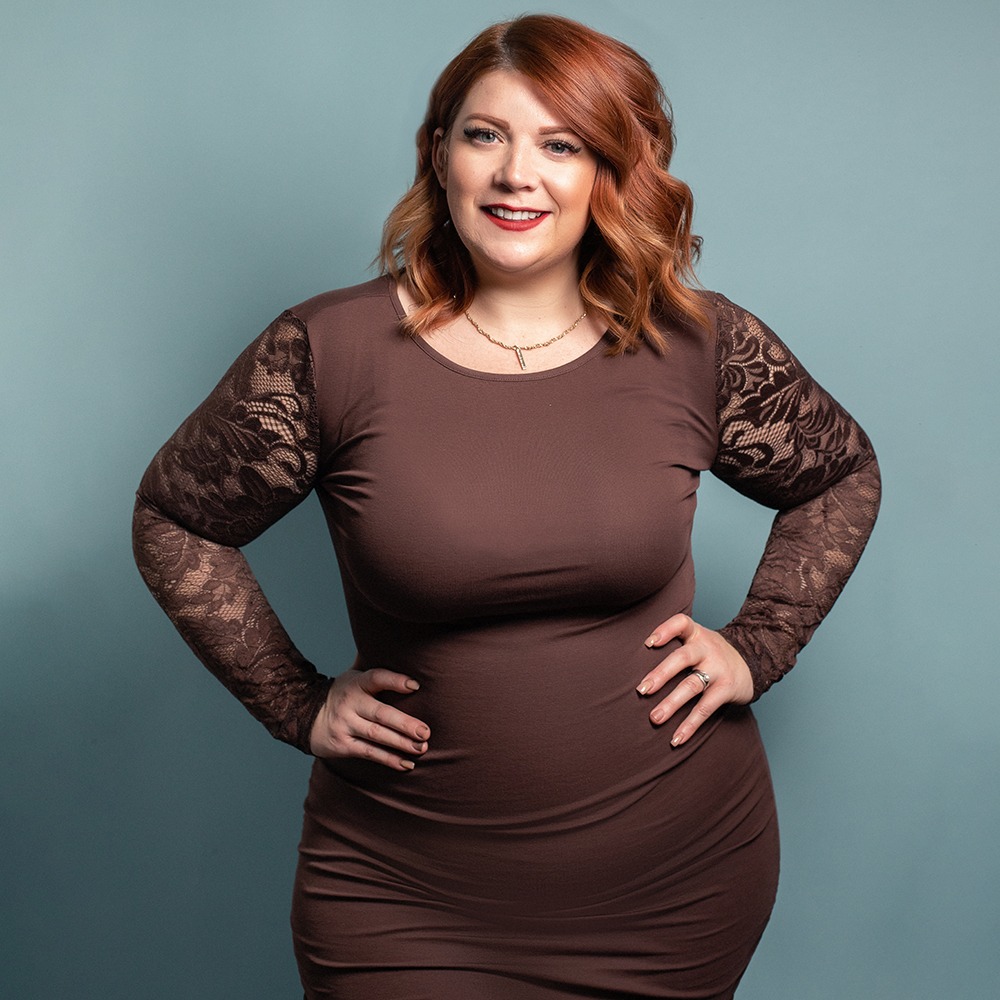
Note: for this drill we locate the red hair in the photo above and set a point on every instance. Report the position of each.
(638, 254)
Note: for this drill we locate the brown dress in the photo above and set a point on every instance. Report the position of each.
(510, 541)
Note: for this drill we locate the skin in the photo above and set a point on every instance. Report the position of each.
(354, 723)
(507, 150)
(702, 650)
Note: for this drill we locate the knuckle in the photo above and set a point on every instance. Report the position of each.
(376, 679)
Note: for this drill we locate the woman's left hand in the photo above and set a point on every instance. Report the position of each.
(703, 652)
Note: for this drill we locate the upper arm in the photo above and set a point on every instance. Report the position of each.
(249, 453)
(782, 438)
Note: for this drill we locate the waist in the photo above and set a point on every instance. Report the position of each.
(522, 729)
(614, 840)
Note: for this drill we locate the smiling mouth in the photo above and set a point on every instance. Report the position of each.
(512, 215)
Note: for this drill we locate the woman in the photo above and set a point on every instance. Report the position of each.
(540, 777)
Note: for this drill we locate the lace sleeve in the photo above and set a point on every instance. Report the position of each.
(786, 443)
(243, 459)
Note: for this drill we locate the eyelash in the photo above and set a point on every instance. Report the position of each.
(476, 133)
(567, 147)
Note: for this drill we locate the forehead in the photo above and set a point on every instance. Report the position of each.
(508, 95)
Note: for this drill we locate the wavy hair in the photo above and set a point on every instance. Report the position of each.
(637, 256)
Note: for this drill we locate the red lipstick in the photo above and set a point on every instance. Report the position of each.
(513, 225)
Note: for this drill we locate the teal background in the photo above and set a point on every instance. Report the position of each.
(173, 175)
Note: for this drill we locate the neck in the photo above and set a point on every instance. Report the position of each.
(526, 306)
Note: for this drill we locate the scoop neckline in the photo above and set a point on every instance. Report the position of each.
(446, 362)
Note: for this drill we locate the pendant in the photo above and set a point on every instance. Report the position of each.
(520, 357)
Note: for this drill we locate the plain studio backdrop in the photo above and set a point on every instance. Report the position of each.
(173, 175)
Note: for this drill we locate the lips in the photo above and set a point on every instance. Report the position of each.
(513, 214)
(513, 219)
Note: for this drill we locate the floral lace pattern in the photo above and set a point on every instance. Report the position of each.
(244, 458)
(786, 443)
(249, 454)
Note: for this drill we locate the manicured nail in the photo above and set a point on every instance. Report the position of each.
(658, 716)
(644, 687)
(676, 740)
(412, 685)
(419, 747)
(652, 640)
(409, 765)
(423, 732)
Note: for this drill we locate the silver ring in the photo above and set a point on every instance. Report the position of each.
(703, 677)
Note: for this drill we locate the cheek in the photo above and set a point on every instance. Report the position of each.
(461, 185)
(578, 192)
(459, 208)
(464, 215)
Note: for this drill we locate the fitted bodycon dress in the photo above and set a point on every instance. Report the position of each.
(510, 541)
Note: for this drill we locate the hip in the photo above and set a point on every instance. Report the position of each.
(647, 824)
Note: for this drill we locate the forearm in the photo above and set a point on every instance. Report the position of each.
(810, 554)
(213, 598)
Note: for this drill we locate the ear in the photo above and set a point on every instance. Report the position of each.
(439, 157)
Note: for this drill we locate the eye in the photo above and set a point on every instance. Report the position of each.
(561, 147)
(476, 133)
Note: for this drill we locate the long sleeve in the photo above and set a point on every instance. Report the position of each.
(242, 460)
(786, 443)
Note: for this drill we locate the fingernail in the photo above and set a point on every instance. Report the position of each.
(412, 685)
(658, 716)
(676, 740)
(420, 747)
(643, 687)
(423, 732)
(409, 765)
(652, 640)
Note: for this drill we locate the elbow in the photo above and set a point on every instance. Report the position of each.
(868, 479)
(147, 527)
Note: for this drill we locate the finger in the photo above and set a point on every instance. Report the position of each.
(680, 659)
(380, 679)
(379, 735)
(379, 713)
(378, 755)
(705, 708)
(690, 687)
(677, 627)
(354, 737)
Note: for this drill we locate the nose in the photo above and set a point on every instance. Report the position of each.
(516, 169)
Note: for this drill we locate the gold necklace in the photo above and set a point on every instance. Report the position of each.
(517, 348)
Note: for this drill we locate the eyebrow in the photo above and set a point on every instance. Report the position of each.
(501, 124)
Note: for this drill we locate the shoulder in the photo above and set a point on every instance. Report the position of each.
(738, 331)
(369, 302)
(729, 322)
(351, 331)
(747, 349)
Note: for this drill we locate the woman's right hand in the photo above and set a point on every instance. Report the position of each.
(354, 723)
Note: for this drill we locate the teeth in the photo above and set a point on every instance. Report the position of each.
(506, 213)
